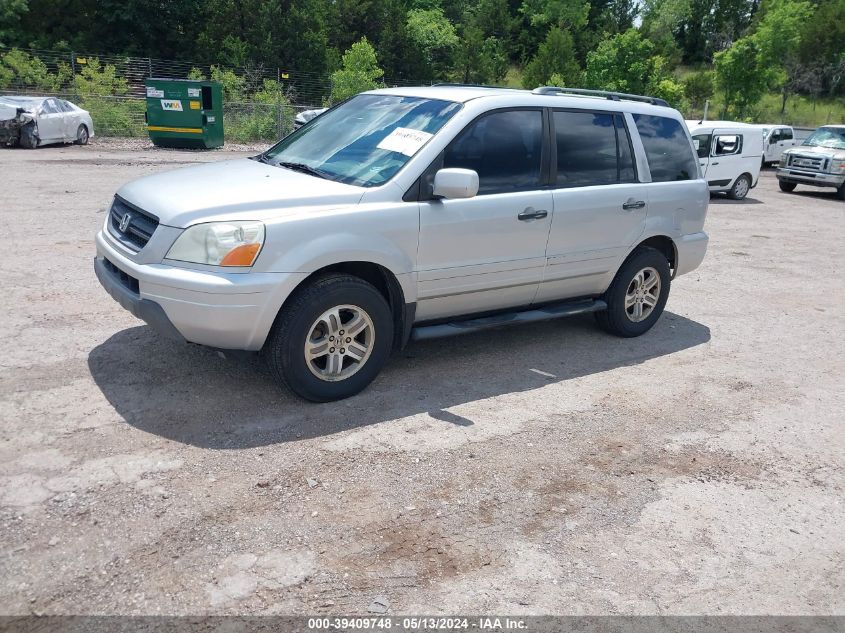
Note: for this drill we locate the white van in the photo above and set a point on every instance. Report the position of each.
(776, 140)
(730, 155)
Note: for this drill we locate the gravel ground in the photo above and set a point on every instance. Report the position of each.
(547, 469)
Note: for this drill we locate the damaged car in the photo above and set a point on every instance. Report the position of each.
(34, 121)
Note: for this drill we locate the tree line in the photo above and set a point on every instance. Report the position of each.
(682, 50)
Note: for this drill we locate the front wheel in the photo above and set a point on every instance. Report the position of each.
(740, 188)
(28, 137)
(331, 338)
(841, 191)
(788, 187)
(637, 295)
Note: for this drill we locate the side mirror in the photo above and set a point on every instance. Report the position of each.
(455, 183)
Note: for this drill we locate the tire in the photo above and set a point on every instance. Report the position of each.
(82, 135)
(841, 191)
(309, 315)
(741, 187)
(621, 320)
(28, 137)
(788, 187)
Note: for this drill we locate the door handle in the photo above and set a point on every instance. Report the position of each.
(714, 163)
(633, 204)
(532, 214)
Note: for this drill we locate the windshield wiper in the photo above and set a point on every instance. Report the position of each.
(306, 169)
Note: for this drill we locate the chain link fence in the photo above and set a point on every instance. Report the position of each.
(260, 103)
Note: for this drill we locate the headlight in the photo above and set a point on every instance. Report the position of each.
(837, 166)
(219, 244)
(783, 159)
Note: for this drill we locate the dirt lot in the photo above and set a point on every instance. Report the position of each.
(547, 469)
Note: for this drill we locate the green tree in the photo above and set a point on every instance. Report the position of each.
(778, 37)
(556, 56)
(360, 72)
(698, 87)
(623, 63)
(478, 59)
(741, 77)
(435, 38)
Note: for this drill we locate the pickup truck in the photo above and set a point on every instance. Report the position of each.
(818, 162)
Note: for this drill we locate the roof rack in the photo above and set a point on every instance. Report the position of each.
(463, 85)
(605, 94)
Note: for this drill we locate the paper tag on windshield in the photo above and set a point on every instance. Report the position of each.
(404, 140)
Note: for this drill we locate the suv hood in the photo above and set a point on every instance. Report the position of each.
(233, 189)
(815, 150)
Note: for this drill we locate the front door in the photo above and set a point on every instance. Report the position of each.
(488, 252)
(50, 122)
(599, 207)
(725, 159)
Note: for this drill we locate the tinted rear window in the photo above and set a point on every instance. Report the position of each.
(667, 148)
(592, 149)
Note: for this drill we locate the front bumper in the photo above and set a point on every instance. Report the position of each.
(223, 310)
(790, 174)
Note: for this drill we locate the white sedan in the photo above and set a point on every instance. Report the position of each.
(34, 121)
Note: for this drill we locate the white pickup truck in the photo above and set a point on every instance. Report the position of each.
(819, 161)
(776, 140)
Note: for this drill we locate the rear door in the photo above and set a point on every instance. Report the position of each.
(488, 252)
(71, 120)
(599, 206)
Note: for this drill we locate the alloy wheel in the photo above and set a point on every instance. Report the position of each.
(339, 343)
(642, 295)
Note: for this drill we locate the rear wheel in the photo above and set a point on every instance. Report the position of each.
(741, 187)
(637, 295)
(331, 338)
(788, 187)
(82, 135)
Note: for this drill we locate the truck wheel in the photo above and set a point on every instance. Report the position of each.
(28, 138)
(637, 295)
(788, 187)
(841, 191)
(331, 338)
(82, 135)
(741, 187)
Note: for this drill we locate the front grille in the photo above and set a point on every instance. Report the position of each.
(810, 163)
(126, 280)
(138, 229)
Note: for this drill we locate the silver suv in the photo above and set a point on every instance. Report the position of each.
(413, 213)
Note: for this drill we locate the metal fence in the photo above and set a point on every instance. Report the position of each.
(259, 105)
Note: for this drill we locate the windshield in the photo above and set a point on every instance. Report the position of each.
(827, 137)
(765, 131)
(364, 141)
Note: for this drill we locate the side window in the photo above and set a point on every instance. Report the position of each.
(593, 148)
(504, 148)
(777, 135)
(701, 142)
(667, 148)
(65, 106)
(49, 107)
(727, 144)
(586, 149)
(786, 134)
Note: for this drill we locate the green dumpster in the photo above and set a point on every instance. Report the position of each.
(184, 113)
